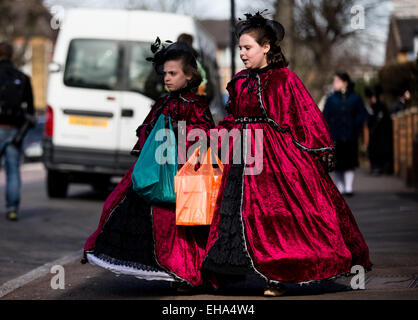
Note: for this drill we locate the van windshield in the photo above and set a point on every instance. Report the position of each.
(92, 64)
(142, 76)
(112, 65)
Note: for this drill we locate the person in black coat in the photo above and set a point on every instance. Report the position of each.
(346, 115)
(402, 102)
(380, 127)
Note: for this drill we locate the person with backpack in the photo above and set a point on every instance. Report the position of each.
(16, 107)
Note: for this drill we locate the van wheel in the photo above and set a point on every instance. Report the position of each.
(101, 185)
(57, 184)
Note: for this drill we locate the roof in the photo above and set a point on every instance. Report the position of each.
(405, 29)
(220, 30)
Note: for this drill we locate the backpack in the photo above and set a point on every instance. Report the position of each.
(12, 84)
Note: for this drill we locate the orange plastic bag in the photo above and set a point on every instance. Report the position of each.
(197, 190)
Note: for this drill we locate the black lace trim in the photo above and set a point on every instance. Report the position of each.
(229, 255)
(188, 101)
(129, 264)
(316, 151)
(275, 283)
(127, 237)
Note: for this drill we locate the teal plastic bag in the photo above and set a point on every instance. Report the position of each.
(154, 172)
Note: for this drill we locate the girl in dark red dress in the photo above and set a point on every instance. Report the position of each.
(282, 218)
(139, 239)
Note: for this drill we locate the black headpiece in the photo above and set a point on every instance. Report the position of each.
(258, 21)
(169, 51)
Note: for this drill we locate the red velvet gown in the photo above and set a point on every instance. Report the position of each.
(287, 222)
(137, 239)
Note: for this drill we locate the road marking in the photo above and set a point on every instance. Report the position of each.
(29, 172)
(36, 166)
(41, 271)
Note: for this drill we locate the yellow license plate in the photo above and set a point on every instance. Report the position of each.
(88, 121)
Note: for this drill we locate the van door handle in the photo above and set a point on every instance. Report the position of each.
(88, 113)
(127, 113)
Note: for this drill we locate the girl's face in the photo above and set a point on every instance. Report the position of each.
(339, 84)
(251, 53)
(174, 77)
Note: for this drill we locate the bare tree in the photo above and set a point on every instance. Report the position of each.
(6, 25)
(187, 7)
(322, 36)
(284, 12)
(321, 26)
(21, 19)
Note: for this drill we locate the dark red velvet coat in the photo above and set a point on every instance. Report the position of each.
(296, 226)
(177, 248)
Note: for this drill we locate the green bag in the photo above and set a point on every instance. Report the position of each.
(154, 171)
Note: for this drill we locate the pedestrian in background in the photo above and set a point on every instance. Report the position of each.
(16, 102)
(380, 145)
(402, 102)
(346, 115)
(205, 88)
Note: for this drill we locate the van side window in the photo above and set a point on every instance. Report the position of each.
(92, 64)
(142, 76)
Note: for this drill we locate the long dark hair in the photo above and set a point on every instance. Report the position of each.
(264, 31)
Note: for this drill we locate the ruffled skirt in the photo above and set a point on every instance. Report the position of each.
(144, 241)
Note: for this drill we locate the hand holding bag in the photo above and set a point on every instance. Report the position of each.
(154, 171)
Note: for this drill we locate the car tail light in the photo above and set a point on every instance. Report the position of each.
(49, 122)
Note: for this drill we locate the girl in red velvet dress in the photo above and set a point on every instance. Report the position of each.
(139, 239)
(284, 219)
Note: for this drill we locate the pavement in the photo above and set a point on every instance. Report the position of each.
(48, 229)
(385, 210)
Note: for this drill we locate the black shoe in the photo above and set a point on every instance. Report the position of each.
(349, 194)
(12, 216)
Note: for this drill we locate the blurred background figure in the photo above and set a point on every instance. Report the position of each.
(346, 115)
(16, 102)
(205, 88)
(380, 148)
(402, 102)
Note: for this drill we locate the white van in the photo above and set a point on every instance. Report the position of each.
(101, 88)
